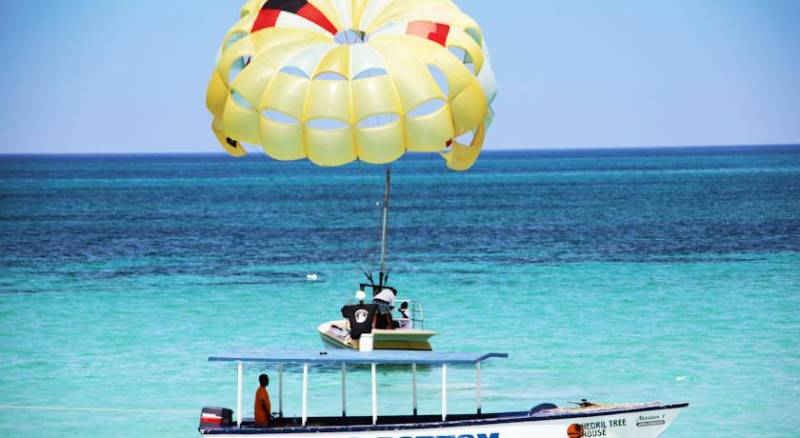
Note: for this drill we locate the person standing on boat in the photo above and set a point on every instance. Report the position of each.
(385, 302)
(262, 406)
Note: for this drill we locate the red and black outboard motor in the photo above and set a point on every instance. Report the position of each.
(211, 418)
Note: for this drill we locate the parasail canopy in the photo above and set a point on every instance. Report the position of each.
(336, 81)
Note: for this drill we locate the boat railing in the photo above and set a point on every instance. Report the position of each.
(416, 315)
(343, 359)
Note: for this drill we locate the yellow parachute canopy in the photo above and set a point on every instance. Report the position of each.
(337, 81)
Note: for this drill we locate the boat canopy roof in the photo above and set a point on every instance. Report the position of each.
(337, 357)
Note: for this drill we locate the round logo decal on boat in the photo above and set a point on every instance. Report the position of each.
(361, 316)
(575, 431)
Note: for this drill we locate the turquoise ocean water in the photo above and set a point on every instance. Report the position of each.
(637, 275)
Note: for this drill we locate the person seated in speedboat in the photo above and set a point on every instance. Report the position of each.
(383, 317)
(405, 322)
(262, 406)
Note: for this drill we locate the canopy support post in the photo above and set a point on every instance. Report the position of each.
(344, 390)
(414, 386)
(239, 373)
(444, 392)
(305, 393)
(478, 385)
(280, 390)
(374, 395)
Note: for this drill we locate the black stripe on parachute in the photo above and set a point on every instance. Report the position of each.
(285, 5)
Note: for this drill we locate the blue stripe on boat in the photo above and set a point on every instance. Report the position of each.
(382, 357)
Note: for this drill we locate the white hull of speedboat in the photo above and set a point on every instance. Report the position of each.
(611, 421)
(336, 334)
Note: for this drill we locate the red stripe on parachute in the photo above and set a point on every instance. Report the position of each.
(311, 13)
(436, 32)
(266, 18)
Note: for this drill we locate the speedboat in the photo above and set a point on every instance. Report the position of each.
(363, 329)
(546, 420)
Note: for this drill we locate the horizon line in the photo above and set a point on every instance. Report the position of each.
(546, 149)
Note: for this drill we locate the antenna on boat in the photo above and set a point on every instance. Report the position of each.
(384, 275)
(368, 274)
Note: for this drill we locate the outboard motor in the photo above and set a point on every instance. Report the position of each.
(360, 317)
(215, 417)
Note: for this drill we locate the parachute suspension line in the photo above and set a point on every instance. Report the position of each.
(383, 273)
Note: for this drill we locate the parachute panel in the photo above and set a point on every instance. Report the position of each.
(430, 133)
(286, 93)
(328, 100)
(469, 109)
(373, 96)
(330, 148)
(381, 145)
(281, 141)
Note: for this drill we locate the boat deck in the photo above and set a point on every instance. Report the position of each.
(407, 422)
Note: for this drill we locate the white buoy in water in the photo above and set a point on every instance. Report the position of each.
(312, 277)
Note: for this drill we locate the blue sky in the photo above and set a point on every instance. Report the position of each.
(110, 76)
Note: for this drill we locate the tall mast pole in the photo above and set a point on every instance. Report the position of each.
(385, 223)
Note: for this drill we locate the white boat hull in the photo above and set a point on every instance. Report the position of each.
(336, 334)
(631, 422)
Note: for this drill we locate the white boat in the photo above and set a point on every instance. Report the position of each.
(631, 420)
(336, 334)
(398, 332)
(405, 333)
